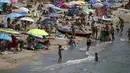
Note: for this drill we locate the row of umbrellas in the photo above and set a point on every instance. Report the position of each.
(34, 32)
(14, 15)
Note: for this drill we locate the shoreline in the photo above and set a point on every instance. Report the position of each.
(11, 61)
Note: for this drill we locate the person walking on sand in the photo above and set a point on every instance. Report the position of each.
(88, 43)
(121, 22)
(14, 43)
(112, 32)
(73, 31)
(96, 57)
(60, 54)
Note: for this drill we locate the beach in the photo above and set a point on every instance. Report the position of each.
(60, 30)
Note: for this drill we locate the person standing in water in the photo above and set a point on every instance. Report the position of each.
(96, 57)
(60, 54)
(88, 43)
(128, 32)
(112, 32)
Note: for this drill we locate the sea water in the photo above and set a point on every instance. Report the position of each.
(89, 57)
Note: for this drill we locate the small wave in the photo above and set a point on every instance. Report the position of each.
(68, 63)
(121, 39)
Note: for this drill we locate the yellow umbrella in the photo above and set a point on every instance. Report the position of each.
(81, 2)
(37, 32)
(7, 30)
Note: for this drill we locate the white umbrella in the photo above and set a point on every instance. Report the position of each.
(98, 0)
(24, 9)
(107, 19)
(73, 2)
(49, 5)
(27, 19)
(97, 5)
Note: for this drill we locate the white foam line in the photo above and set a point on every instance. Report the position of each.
(68, 63)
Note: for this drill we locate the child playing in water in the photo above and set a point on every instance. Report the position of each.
(96, 57)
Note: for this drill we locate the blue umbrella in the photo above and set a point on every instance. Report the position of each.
(13, 15)
(52, 15)
(22, 13)
(93, 1)
(57, 8)
(5, 37)
(4, 23)
(46, 21)
(5, 1)
(106, 3)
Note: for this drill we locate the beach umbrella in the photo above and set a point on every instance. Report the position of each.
(5, 1)
(37, 32)
(53, 15)
(74, 2)
(24, 9)
(7, 30)
(97, 5)
(107, 19)
(13, 15)
(93, 1)
(88, 10)
(81, 2)
(22, 13)
(5, 37)
(63, 5)
(49, 5)
(106, 3)
(47, 21)
(27, 19)
(56, 8)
